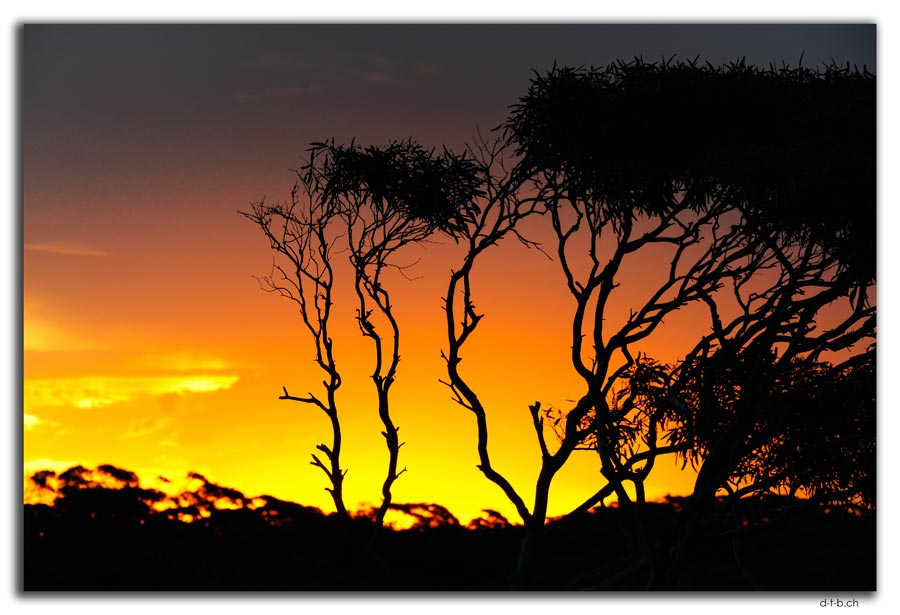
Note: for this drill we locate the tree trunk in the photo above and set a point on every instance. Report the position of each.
(523, 578)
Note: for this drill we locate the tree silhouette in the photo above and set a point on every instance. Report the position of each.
(762, 413)
(378, 200)
(427, 516)
(302, 234)
(490, 519)
(754, 189)
(389, 197)
(487, 222)
(756, 181)
(106, 493)
(39, 485)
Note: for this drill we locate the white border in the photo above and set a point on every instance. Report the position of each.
(761, 11)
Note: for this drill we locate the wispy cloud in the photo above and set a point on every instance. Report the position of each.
(64, 249)
(385, 71)
(101, 391)
(42, 335)
(33, 422)
(310, 74)
(287, 91)
(145, 426)
(381, 77)
(277, 60)
(425, 70)
(180, 362)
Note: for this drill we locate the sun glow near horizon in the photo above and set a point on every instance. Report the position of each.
(201, 409)
(198, 397)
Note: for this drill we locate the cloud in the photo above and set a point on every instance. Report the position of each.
(180, 362)
(287, 91)
(382, 77)
(64, 249)
(171, 442)
(384, 71)
(100, 391)
(138, 428)
(32, 422)
(42, 335)
(426, 70)
(276, 60)
(39, 335)
(309, 74)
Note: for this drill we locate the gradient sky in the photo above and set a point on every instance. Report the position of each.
(148, 343)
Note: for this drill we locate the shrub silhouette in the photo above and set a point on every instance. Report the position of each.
(271, 544)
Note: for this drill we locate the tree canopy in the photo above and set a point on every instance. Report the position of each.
(795, 146)
(402, 177)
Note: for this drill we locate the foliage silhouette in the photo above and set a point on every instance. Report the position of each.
(403, 178)
(745, 176)
(389, 198)
(376, 201)
(758, 181)
(755, 190)
(300, 233)
(490, 519)
(427, 515)
(795, 145)
(270, 544)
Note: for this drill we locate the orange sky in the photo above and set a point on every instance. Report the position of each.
(147, 342)
(165, 369)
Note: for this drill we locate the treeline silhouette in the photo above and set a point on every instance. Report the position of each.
(104, 531)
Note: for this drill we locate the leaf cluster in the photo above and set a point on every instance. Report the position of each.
(794, 147)
(808, 427)
(438, 189)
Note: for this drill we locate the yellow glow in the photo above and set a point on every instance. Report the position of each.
(99, 391)
(223, 504)
(195, 382)
(35, 465)
(180, 362)
(43, 336)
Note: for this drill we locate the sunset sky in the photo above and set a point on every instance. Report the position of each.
(148, 343)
